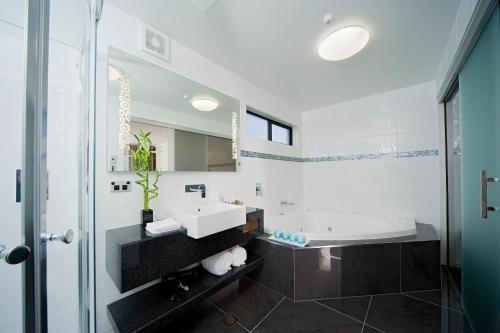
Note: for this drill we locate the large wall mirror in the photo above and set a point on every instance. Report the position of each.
(193, 127)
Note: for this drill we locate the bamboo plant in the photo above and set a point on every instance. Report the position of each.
(142, 161)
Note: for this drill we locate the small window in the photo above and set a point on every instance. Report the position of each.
(264, 128)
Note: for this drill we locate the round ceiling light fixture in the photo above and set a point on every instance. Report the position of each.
(204, 104)
(343, 43)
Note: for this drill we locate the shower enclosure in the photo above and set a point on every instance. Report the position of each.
(45, 94)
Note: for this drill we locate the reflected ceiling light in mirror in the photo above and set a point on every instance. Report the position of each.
(204, 104)
(113, 73)
(343, 43)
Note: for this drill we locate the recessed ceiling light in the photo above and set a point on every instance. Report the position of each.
(343, 43)
(204, 104)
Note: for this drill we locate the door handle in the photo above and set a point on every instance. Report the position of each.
(16, 255)
(66, 238)
(484, 194)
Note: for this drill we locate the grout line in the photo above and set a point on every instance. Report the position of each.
(266, 287)
(376, 329)
(243, 327)
(366, 315)
(217, 307)
(367, 295)
(339, 312)
(426, 301)
(260, 322)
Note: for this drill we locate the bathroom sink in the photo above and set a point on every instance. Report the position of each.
(207, 219)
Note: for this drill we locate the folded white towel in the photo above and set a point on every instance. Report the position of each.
(239, 255)
(218, 264)
(158, 227)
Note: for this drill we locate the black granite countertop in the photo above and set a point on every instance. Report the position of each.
(141, 257)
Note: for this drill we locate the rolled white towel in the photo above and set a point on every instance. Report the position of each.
(218, 264)
(239, 255)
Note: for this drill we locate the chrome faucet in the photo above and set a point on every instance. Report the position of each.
(201, 188)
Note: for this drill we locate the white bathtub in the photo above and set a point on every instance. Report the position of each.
(323, 224)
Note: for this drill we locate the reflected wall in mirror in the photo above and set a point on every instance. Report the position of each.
(193, 127)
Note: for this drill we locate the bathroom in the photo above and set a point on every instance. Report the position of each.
(322, 166)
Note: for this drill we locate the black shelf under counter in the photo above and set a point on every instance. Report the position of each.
(151, 309)
(138, 258)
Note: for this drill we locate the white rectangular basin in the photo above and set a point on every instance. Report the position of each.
(207, 219)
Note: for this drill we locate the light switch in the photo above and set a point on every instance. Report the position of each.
(121, 186)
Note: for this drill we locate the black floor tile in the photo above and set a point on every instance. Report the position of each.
(247, 300)
(302, 317)
(352, 306)
(446, 297)
(400, 313)
(205, 318)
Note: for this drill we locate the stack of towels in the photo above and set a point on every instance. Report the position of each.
(220, 263)
(162, 226)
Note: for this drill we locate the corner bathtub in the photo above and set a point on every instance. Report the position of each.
(323, 224)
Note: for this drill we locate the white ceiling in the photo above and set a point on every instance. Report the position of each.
(272, 43)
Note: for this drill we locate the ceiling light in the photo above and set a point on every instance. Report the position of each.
(343, 43)
(204, 104)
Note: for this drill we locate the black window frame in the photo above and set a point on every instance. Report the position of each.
(270, 123)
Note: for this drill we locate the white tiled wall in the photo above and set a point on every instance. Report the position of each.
(281, 180)
(396, 121)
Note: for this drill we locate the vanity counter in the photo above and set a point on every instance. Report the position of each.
(138, 258)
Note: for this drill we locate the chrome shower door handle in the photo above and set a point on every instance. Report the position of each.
(484, 194)
(16, 255)
(66, 238)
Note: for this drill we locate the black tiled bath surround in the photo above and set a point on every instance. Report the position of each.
(351, 268)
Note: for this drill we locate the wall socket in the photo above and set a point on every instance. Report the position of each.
(120, 186)
(259, 190)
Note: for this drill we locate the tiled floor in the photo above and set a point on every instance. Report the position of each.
(246, 306)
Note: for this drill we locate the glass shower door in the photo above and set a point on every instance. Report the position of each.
(44, 103)
(480, 110)
(12, 30)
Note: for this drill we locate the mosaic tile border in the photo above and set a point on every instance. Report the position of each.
(254, 154)
(338, 158)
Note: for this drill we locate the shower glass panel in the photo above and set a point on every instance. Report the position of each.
(67, 138)
(44, 169)
(453, 141)
(12, 31)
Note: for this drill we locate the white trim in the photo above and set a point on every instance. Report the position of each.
(474, 26)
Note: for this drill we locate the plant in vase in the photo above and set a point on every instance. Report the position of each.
(142, 162)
